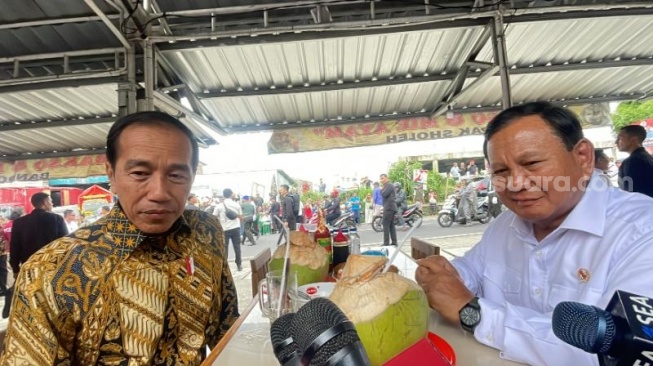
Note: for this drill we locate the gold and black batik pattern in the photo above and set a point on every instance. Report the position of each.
(110, 295)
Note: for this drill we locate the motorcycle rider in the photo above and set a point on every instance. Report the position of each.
(400, 199)
(467, 205)
(332, 207)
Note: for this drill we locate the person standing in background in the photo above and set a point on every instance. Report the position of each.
(274, 212)
(249, 214)
(369, 208)
(71, 220)
(355, 203)
(231, 227)
(193, 202)
(34, 231)
(389, 211)
(287, 215)
(636, 171)
(377, 199)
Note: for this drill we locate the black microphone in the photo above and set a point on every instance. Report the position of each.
(326, 337)
(621, 334)
(285, 348)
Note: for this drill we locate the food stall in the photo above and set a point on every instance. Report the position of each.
(92, 199)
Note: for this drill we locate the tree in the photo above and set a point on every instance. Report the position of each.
(402, 172)
(629, 112)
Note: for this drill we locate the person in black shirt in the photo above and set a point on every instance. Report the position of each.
(34, 231)
(389, 211)
(636, 171)
(287, 214)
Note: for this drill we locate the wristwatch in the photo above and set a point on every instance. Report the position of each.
(470, 315)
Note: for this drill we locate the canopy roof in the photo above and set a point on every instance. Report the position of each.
(247, 66)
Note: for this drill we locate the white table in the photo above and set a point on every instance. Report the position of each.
(250, 343)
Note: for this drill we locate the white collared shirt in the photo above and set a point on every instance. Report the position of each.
(219, 211)
(605, 244)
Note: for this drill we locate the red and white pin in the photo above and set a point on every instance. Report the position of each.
(190, 265)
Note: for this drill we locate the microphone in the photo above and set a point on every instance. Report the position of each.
(621, 334)
(285, 348)
(326, 337)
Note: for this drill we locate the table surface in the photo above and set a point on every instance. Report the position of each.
(250, 344)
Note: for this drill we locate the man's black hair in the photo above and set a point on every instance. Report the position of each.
(68, 212)
(147, 118)
(227, 192)
(286, 187)
(635, 130)
(38, 199)
(599, 153)
(563, 122)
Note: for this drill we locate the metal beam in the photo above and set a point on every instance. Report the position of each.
(56, 21)
(116, 32)
(43, 56)
(648, 61)
(54, 124)
(310, 32)
(253, 8)
(58, 154)
(330, 87)
(501, 59)
(13, 87)
(479, 80)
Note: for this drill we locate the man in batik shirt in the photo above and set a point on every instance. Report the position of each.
(148, 284)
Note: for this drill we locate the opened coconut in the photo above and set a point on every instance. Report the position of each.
(309, 260)
(390, 312)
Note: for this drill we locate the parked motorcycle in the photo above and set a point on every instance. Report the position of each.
(412, 214)
(345, 220)
(449, 211)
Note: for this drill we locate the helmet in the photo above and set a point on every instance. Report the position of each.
(397, 185)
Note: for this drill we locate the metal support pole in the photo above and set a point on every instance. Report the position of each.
(372, 9)
(501, 58)
(427, 7)
(149, 71)
(16, 69)
(116, 32)
(131, 80)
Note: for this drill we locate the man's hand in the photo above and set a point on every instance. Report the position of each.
(444, 287)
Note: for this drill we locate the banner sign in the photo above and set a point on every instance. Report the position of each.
(52, 168)
(407, 129)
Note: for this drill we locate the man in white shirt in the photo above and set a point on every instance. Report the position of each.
(231, 227)
(563, 240)
(71, 220)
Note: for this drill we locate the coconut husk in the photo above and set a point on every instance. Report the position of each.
(300, 239)
(362, 267)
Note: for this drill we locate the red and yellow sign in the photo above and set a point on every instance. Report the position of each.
(406, 129)
(52, 168)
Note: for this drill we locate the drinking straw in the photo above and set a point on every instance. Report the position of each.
(283, 290)
(398, 248)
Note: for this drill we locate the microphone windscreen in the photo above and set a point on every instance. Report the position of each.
(586, 327)
(313, 319)
(279, 335)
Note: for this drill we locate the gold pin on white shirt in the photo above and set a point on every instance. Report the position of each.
(584, 275)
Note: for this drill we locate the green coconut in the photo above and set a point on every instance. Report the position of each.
(390, 312)
(309, 260)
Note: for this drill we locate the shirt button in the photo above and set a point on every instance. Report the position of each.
(489, 338)
(537, 291)
(538, 254)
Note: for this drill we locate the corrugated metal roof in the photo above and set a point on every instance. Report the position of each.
(563, 85)
(54, 139)
(56, 38)
(576, 40)
(14, 11)
(59, 104)
(324, 61)
(331, 105)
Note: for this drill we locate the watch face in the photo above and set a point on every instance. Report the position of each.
(470, 316)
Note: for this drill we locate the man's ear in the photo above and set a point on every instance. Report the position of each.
(584, 155)
(111, 175)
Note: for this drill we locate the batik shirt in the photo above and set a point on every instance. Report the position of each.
(109, 295)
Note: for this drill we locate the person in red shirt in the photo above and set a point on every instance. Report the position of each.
(308, 211)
